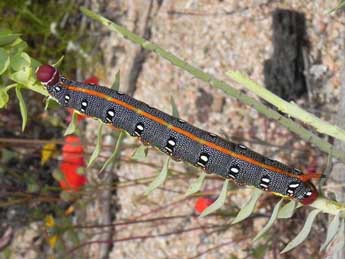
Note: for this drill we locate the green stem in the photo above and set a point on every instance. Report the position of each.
(288, 108)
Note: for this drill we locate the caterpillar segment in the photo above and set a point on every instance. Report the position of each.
(179, 139)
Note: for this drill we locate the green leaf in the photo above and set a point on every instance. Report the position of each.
(159, 179)
(38, 87)
(57, 63)
(259, 251)
(332, 230)
(219, 202)
(22, 76)
(81, 171)
(33, 187)
(17, 46)
(287, 210)
(98, 147)
(58, 175)
(271, 221)
(304, 232)
(197, 185)
(20, 60)
(112, 159)
(116, 84)
(51, 103)
(3, 98)
(7, 37)
(72, 127)
(4, 60)
(22, 106)
(140, 153)
(7, 155)
(66, 196)
(35, 64)
(249, 207)
(174, 107)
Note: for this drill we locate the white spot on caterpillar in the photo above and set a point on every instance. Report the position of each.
(67, 98)
(204, 158)
(289, 191)
(242, 146)
(57, 88)
(264, 186)
(265, 179)
(140, 127)
(234, 170)
(293, 185)
(171, 142)
(111, 113)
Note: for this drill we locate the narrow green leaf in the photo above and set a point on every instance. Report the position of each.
(98, 147)
(72, 127)
(57, 63)
(197, 185)
(38, 87)
(159, 179)
(287, 210)
(271, 221)
(4, 60)
(51, 103)
(7, 37)
(217, 203)
(332, 230)
(249, 207)
(340, 239)
(304, 232)
(140, 153)
(22, 106)
(3, 98)
(174, 107)
(112, 159)
(116, 84)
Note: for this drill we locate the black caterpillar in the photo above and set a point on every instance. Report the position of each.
(178, 138)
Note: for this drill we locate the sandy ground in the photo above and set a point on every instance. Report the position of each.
(216, 36)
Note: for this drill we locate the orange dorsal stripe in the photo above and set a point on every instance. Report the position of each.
(189, 135)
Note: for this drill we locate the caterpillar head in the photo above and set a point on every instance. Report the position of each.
(47, 75)
(310, 194)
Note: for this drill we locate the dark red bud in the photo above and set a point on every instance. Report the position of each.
(47, 74)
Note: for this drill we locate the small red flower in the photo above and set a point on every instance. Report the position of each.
(72, 180)
(92, 80)
(72, 161)
(202, 203)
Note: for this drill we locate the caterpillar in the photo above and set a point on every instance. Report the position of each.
(179, 139)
